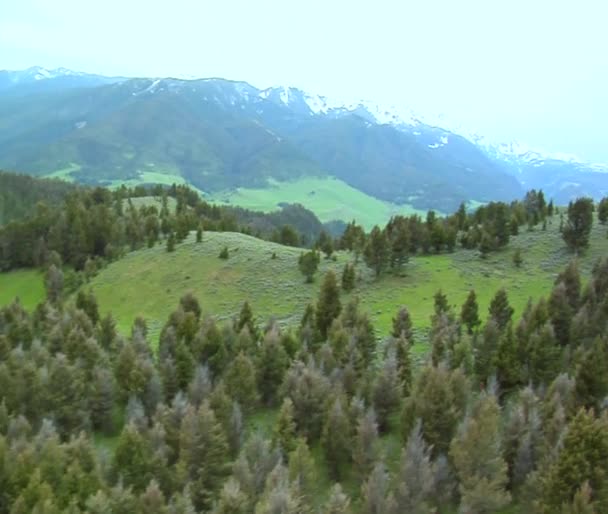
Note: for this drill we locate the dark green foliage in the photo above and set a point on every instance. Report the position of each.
(377, 251)
(328, 303)
(578, 226)
(53, 282)
(583, 458)
(348, 277)
(203, 454)
(441, 304)
(477, 459)
(336, 438)
(469, 314)
(325, 243)
(544, 355)
(171, 242)
(402, 324)
(602, 210)
(387, 391)
(308, 264)
(518, 260)
(285, 430)
(241, 383)
(288, 236)
(591, 378)
(500, 310)
(224, 253)
(509, 371)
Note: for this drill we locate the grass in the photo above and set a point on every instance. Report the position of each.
(150, 282)
(64, 173)
(27, 285)
(329, 198)
(151, 201)
(152, 177)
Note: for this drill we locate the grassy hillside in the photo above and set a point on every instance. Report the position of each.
(329, 198)
(28, 285)
(150, 282)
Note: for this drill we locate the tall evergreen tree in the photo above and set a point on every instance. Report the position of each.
(328, 304)
(577, 229)
(478, 460)
(308, 263)
(402, 324)
(377, 250)
(500, 309)
(336, 438)
(469, 315)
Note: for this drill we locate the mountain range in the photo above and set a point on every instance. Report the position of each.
(219, 135)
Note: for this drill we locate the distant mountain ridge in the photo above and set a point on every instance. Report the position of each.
(218, 134)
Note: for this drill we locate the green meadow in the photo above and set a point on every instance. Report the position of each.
(329, 198)
(150, 282)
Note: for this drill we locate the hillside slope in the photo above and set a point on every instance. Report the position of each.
(150, 282)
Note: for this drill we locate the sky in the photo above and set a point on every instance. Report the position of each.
(535, 71)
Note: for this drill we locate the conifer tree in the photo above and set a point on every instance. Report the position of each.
(518, 260)
(591, 376)
(415, 479)
(232, 500)
(308, 263)
(302, 471)
(285, 430)
(441, 304)
(571, 279)
(375, 492)
(171, 242)
(241, 383)
(203, 454)
(53, 282)
(602, 210)
(348, 277)
(500, 310)
(133, 459)
(402, 324)
(577, 228)
(199, 234)
(365, 447)
(336, 438)
(583, 458)
(507, 363)
(328, 304)
(338, 502)
(469, 314)
(387, 391)
(544, 355)
(478, 460)
(272, 363)
(326, 244)
(377, 251)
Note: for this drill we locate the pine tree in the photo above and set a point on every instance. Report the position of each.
(365, 447)
(326, 244)
(583, 458)
(518, 260)
(571, 279)
(485, 347)
(591, 377)
(478, 460)
(561, 313)
(302, 471)
(544, 355)
(507, 363)
(338, 502)
(377, 251)
(402, 324)
(399, 248)
(308, 263)
(387, 391)
(102, 400)
(224, 253)
(336, 438)
(232, 500)
(241, 383)
(500, 310)
(415, 479)
(272, 363)
(348, 277)
(375, 492)
(203, 454)
(133, 459)
(328, 304)
(284, 433)
(602, 210)
(469, 315)
(171, 242)
(246, 320)
(577, 229)
(53, 282)
(441, 304)
(438, 399)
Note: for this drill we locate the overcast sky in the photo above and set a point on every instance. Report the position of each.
(531, 70)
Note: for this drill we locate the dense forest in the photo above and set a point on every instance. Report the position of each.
(498, 414)
(503, 411)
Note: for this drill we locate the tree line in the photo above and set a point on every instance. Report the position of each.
(501, 411)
